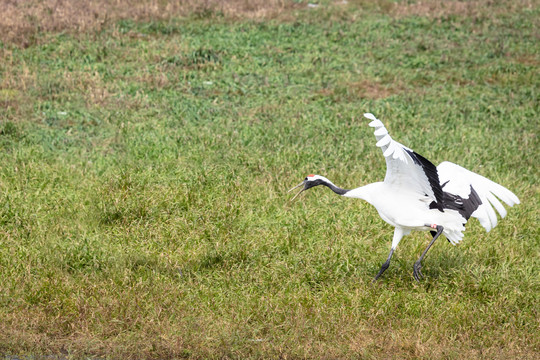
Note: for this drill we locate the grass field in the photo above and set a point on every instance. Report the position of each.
(144, 212)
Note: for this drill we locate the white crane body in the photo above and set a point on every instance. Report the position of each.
(416, 195)
(415, 213)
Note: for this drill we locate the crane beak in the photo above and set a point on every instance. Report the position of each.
(296, 187)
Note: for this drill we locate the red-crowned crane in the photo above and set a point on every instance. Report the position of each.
(417, 195)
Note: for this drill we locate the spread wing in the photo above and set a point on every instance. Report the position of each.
(459, 181)
(405, 168)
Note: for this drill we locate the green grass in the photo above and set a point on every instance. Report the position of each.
(144, 211)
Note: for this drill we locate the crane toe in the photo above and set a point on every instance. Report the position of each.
(417, 273)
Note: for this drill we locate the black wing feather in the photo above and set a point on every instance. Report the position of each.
(464, 206)
(433, 177)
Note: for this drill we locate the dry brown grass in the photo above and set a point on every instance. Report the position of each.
(437, 9)
(22, 20)
(14, 83)
(395, 344)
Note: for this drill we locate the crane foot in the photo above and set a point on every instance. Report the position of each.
(416, 271)
(384, 266)
(383, 269)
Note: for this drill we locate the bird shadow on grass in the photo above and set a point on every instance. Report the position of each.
(441, 266)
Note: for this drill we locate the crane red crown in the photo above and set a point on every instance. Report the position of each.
(310, 175)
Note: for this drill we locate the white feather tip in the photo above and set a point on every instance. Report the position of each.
(370, 116)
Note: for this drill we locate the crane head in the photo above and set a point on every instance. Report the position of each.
(309, 182)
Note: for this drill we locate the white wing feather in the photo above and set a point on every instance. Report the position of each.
(401, 170)
(459, 180)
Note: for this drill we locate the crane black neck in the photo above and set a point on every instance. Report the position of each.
(334, 188)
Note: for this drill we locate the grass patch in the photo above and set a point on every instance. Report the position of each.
(144, 212)
(23, 22)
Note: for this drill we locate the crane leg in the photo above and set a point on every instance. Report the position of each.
(385, 265)
(398, 234)
(418, 264)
